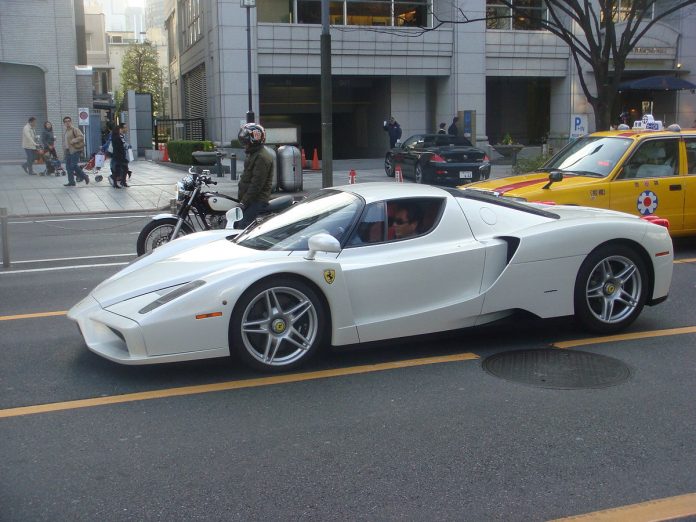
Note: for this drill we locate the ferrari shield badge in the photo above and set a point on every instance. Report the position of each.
(329, 275)
(647, 202)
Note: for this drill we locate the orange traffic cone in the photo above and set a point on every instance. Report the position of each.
(315, 160)
(165, 153)
(398, 175)
(303, 158)
(351, 177)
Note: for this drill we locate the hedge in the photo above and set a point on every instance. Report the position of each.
(180, 151)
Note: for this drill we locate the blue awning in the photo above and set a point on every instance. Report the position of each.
(657, 83)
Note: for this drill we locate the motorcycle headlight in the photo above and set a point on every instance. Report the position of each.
(170, 296)
(181, 192)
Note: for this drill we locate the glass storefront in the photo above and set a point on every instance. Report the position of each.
(386, 13)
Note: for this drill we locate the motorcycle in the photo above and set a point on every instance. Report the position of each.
(197, 209)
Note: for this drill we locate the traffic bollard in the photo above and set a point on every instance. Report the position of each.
(5, 240)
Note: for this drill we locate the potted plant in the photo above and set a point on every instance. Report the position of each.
(508, 147)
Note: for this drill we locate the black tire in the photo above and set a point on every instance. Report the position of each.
(389, 165)
(157, 233)
(611, 289)
(281, 313)
(419, 173)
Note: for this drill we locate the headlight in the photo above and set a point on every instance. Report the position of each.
(181, 193)
(174, 294)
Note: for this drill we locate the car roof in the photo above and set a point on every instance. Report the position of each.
(378, 191)
(640, 134)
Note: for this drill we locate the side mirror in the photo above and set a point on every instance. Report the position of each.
(398, 144)
(233, 215)
(554, 177)
(322, 243)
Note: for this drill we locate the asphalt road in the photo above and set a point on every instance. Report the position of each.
(437, 441)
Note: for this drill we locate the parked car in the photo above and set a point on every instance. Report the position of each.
(438, 159)
(374, 261)
(639, 171)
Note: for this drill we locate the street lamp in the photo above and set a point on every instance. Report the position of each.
(248, 4)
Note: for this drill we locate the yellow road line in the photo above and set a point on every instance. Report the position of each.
(31, 316)
(232, 385)
(653, 510)
(625, 337)
(690, 260)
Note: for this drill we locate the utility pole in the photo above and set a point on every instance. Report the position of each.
(249, 4)
(326, 100)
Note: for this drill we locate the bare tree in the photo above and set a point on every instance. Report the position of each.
(600, 36)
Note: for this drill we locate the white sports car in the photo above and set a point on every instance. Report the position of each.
(374, 261)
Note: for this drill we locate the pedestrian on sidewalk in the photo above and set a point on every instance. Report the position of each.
(453, 130)
(442, 129)
(394, 130)
(48, 144)
(257, 179)
(119, 156)
(74, 141)
(29, 144)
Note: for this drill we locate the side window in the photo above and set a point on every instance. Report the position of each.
(412, 217)
(397, 219)
(690, 155)
(654, 159)
(411, 142)
(372, 227)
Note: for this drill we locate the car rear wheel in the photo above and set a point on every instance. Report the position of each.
(277, 324)
(419, 173)
(611, 289)
(389, 165)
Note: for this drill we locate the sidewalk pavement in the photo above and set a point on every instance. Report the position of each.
(152, 186)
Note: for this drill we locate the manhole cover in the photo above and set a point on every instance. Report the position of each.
(562, 369)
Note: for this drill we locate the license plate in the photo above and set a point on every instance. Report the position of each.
(465, 174)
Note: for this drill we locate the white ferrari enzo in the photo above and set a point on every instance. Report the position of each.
(374, 261)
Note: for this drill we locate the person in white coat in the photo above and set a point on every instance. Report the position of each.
(29, 145)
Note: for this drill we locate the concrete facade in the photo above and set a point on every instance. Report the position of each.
(431, 76)
(52, 49)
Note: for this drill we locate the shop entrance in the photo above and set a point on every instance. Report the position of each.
(359, 106)
(519, 107)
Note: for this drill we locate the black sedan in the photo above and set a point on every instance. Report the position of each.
(438, 159)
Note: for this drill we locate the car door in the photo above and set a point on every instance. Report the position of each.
(649, 182)
(413, 154)
(689, 181)
(403, 153)
(425, 283)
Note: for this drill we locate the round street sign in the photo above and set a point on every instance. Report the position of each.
(83, 116)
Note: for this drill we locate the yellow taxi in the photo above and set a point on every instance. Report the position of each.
(639, 171)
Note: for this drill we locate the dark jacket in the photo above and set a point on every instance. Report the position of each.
(453, 130)
(256, 182)
(118, 143)
(48, 139)
(394, 130)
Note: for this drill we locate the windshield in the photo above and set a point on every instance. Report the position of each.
(330, 212)
(590, 156)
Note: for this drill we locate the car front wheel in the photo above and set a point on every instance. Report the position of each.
(389, 165)
(610, 289)
(277, 324)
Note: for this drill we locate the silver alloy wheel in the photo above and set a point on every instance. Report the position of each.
(419, 174)
(388, 166)
(279, 326)
(613, 289)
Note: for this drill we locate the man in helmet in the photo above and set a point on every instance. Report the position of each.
(257, 180)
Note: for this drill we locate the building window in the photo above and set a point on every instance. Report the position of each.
(387, 13)
(190, 16)
(622, 9)
(526, 15)
(116, 39)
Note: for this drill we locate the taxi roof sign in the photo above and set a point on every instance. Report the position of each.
(648, 123)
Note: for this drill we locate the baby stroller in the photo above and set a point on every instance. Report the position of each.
(53, 165)
(94, 165)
